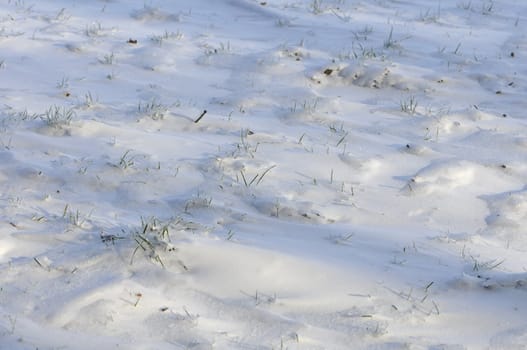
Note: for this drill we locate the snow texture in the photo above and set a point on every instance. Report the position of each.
(279, 174)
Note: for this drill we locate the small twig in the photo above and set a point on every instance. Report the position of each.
(342, 139)
(38, 262)
(189, 315)
(428, 286)
(359, 295)
(201, 116)
(138, 296)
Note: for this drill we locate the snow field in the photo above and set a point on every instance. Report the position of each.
(357, 178)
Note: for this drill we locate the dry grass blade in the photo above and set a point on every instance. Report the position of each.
(265, 173)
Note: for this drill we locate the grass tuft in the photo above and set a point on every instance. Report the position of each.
(153, 109)
(58, 116)
(409, 106)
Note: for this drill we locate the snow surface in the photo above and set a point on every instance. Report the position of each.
(358, 180)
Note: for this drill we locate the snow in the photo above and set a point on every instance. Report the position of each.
(356, 180)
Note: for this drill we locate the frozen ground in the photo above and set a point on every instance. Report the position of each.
(358, 180)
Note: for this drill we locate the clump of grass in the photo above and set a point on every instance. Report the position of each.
(389, 42)
(257, 178)
(95, 30)
(467, 5)
(244, 146)
(57, 116)
(90, 101)
(409, 106)
(308, 106)
(431, 16)
(316, 7)
(108, 59)
(485, 265)
(222, 48)
(159, 39)
(360, 51)
(151, 238)
(74, 217)
(487, 7)
(13, 116)
(153, 109)
(64, 83)
(197, 202)
(127, 160)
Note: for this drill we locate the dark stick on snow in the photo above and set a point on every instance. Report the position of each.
(201, 116)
